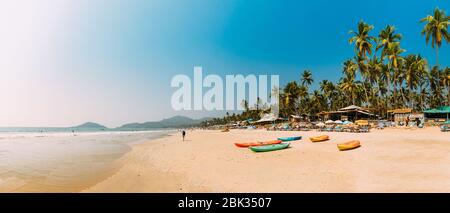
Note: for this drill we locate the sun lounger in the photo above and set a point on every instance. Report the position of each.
(338, 129)
(364, 129)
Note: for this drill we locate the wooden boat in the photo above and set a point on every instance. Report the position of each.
(349, 145)
(268, 148)
(245, 145)
(320, 138)
(290, 138)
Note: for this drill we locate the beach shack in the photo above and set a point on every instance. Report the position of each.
(399, 115)
(350, 113)
(440, 114)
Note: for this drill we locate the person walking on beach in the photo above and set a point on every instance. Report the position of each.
(184, 134)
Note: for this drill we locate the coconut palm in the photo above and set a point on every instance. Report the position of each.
(414, 68)
(363, 47)
(306, 79)
(436, 28)
(303, 94)
(350, 67)
(435, 86)
(386, 37)
(327, 89)
(445, 79)
(362, 39)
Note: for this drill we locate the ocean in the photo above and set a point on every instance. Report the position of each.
(59, 160)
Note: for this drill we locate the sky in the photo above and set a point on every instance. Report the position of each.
(65, 62)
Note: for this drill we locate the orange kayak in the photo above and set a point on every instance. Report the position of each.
(319, 138)
(244, 145)
(349, 145)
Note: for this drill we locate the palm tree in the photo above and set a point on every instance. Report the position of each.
(350, 86)
(393, 54)
(291, 94)
(327, 89)
(446, 82)
(363, 47)
(414, 68)
(306, 79)
(317, 100)
(350, 67)
(436, 27)
(362, 39)
(386, 37)
(435, 85)
(303, 94)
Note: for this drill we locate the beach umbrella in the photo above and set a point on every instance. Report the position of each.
(338, 122)
(347, 122)
(329, 122)
(320, 124)
(447, 122)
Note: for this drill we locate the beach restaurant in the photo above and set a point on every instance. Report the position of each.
(440, 114)
(350, 113)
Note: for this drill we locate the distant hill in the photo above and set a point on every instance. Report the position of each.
(90, 125)
(173, 122)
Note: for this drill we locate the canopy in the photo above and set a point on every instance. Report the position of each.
(442, 109)
(338, 122)
(447, 122)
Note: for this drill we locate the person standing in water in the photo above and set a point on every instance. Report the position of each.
(184, 134)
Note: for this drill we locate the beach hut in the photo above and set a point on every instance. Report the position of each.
(351, 112)
(440, 114)
(399, 115)
(295, 118)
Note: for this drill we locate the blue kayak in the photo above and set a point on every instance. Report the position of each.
(290, 138)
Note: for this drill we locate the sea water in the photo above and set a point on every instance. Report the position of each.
(59, 160)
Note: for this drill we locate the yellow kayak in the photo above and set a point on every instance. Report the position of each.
(349, 145)
(319, 138)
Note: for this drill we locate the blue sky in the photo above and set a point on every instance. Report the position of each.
(111, 61)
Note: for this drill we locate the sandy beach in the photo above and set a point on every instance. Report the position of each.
(389, 160)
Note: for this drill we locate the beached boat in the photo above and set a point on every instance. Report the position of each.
(269, 148)
(290, 138)
(319, 138)
(349, 145)
(245, 145)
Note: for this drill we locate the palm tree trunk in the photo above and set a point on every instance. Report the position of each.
(437, 56)
(448, 95)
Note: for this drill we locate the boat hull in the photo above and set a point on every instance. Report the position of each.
(320, 138)
(246, 145)
(349, 145)
(290, 138)
(268, 148)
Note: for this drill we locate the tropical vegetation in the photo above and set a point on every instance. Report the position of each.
(380, 76)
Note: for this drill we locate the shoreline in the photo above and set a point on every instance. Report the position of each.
(389, 160)
(63, 162)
